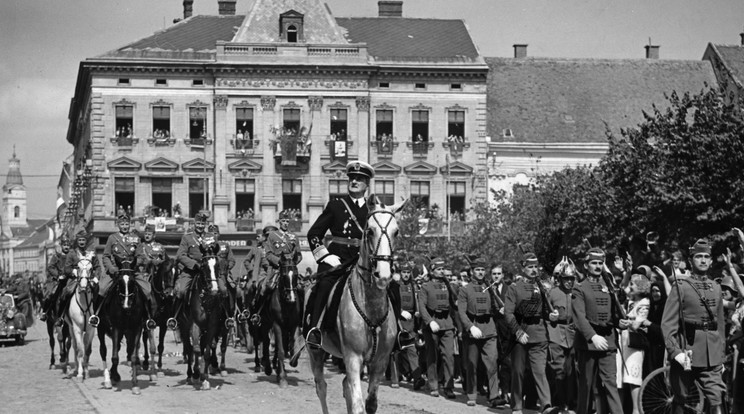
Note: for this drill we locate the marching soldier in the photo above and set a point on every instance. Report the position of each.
(504, 334)
(189, 255)
(561, 333)
(435, 304)
(407, 357)
(524, 310)
(476, 307)
(71, 261)
(595, 341)
(693, 329)
(55, 277)
(226, 256)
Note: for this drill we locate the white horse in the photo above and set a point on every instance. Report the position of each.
(78, 312)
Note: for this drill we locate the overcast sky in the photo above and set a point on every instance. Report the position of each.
(43, 41)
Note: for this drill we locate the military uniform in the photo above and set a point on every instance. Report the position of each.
(282, 245)
(407, 357)
(119, 252)
(189, 255)
(593, 314)
(704, 335)
(523, 311)
(150, 255)
(561, 334)
(55, 281)
(434, 305)
(71, 263)
(476, 307)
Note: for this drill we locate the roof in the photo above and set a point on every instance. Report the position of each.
(397, 37)
(569, 100)
(39, 236)
(14, 177)
(192, 38)
(261, 25)
(23, 232)
(733, 58)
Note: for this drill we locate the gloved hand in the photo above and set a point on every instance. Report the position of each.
(681, 359)
(553, 316)
(434, 326)
(406, 315)
(95, 279)
(475, 332)
(600, 342)
(332, 260)
(522, 337)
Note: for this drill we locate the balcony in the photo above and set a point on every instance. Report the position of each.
(290, 151)
(385, 146)
(456, 145)
(420, 148)
(198, 143)
(245, 224)
(160, 138)
(244, 146)
(125, 141)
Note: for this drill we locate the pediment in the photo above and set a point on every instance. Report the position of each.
(292, 13)
(161, 164)
(457, 168)
(420, 167)
(197, 165)
(386, 168)
(334, 167)
(124, 164)
(244, 164)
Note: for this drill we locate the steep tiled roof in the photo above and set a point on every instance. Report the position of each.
(733, 57)
(35, 239)
(569, 100)
(261, 25)
(193, 38)
(396, 37)
(33, 224)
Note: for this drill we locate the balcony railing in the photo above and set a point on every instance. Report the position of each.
(385, 146)
(420, 148)
(245, 224)
(198, 142)
(244, 146)
(127, 141)
(302, 153)
(159, 138)
(456, 145)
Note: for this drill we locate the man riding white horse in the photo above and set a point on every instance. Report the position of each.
(80, 252)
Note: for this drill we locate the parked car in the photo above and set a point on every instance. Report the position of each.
(12, 322)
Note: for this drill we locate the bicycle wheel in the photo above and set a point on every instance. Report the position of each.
(656, 395)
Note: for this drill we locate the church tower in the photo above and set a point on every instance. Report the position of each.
(14, 196)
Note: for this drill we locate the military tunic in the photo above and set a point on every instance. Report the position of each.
(475, 308)
(150, 254)
(434, 305)
(71, 262)
(119, 248)
(561, 334)
(524, 310)
(704, 334)
(54, 270)
(189, 255)
(280, 246)
(226, 256)
(408, 292)
(593, 314)
(346, 226)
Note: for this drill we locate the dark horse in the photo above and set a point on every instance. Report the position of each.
(202, 321)
(282, 316)
(123, 316)
(162, 277)
(59, 334)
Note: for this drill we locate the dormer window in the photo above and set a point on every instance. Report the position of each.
(291, 24)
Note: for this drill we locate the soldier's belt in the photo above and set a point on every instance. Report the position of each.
(602, 330)
(702, 326)
(560, 322)
(528, 320)
(485, 318)
(345, 241)
(439, 314)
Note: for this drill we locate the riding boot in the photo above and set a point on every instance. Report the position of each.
(716, 409)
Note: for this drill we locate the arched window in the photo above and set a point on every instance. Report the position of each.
(292, 34)
(16, 212)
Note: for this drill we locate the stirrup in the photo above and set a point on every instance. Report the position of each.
(42, 316)
(230, 323)
(405, 340)
(255, 319)
(243, 316)
(172, 324)
(312, 342)
(94, 320)
(151, 324)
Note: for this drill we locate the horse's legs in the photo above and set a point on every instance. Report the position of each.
(354, 398)
(102, 352)
(223, 351)
(317, 358)
(196, 351)
(89, 335)
(281, 375)
(146, 337)
(265, 351)
(52, 339)
(206, 350)
(133, 344)
(376, 372)
(161, 347)
(115, 345)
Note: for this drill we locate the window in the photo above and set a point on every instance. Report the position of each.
(244, 123)
(291, 120)
(456, 198)
(198, 196)
(161, 121)
(161, 82)
(198, 82)
(292, 34)
(197, 122)
(507, 133)
(123, 81)
(339, 124)
(337, 188)
(456, 124)
(420, 86)
(245, 197)
(385, 191)
(384, 124)
(16, 212)
(420, 131)
(162, 194)
(420, 193)
(456, 86)
(124, 121)
(292, 196)
(384, 85)
(123, 194)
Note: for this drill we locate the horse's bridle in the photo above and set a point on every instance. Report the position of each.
(374, 258)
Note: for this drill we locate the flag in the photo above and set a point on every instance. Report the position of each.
(61, 207)
(289, 149)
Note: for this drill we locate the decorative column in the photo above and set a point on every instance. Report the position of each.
(362, 131)
(220, 199)
(271, 184)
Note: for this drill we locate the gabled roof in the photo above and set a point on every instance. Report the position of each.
(193, 38)
(39, 236)
(124, 163)
(732, 58)
(33, 225)
(420, 167)
(396, 38)
(569, 100)
(161, 164)
(457, 168)
(261, 25)
(334, 167)
(386, 168)
(197, 165)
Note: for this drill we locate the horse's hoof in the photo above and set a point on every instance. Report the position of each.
(145, 365)
(394, 385)
(223, 373)
(136, 391)
(283, 384)
(267, 370)
(160, 374)
(107, 385)
(205, 385)
(51, 366)
(257, 368)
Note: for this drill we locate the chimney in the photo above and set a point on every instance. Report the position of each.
(188, 8)
(742, 38)
(226, 7)
(652, 52)
(388, 8)
(520, 51)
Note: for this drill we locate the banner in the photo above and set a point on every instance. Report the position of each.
(289, 149)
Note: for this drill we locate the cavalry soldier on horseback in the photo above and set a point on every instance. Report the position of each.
(476, 306)
(693, 329)
(55, 277)
(225, 281)
(189, 255)
(561, 332)
(70, 270)
(596, 347)
(150, 253)
(524, 307)
(407, 290)
(258, 270)
(436, 304)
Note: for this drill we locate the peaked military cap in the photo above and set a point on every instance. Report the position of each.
(360, 168)
(201, 216)
(529, 259)
(150, 228)
(405, 267)
(82, 234)
(480, 262)
(701, 246)
(437, 263)
(123, 217)
(595, 253)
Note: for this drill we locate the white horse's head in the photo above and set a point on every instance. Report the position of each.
(84, 267)
(379, 240)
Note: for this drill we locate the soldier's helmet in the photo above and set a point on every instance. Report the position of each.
(728, 283)
(595, 253)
